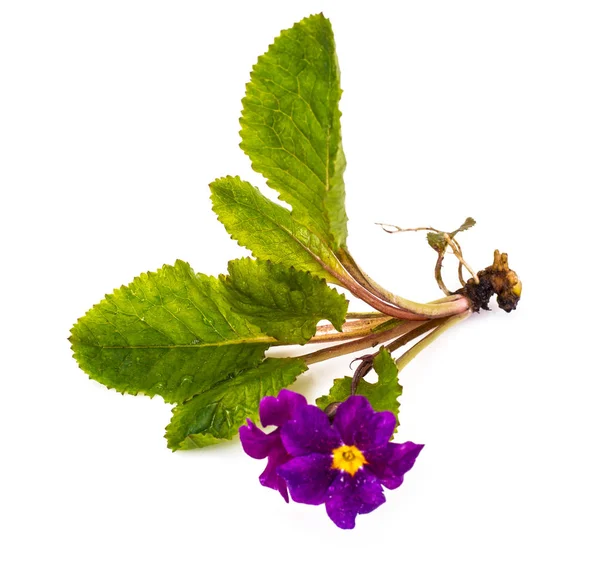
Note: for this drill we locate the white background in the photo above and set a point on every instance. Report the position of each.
(114, 117)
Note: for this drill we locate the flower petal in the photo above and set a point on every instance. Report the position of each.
(360, 426)
(259, 445)
(278, 410)
(350, 416)
(308, 478)
(349, 496)
(256, 443)
(377, 431)
(270, 478)
(309, 432)
(389, 463)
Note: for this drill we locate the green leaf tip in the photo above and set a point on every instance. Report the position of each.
(383, 394)
(468, 223)
(216, 415)
(170, 333)
(290, 126)
(175, 333)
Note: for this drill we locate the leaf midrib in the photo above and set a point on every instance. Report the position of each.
(258, 340)
(326, 183)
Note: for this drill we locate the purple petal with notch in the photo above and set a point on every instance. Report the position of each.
(256, 443)
(279, 410)
(389, 463)
(349, 496)
(360, 426)
(270, 478)
(351, 416)
(309, 433)
(259, 445)
(375, 431)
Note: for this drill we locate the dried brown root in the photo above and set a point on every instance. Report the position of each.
(497, 279)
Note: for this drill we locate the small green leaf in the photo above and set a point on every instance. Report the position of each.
(269, 231)
(468, 223)
(217, 414)
(437, 241)
(291, 126)
(286, 304)
(171, 333)
(383, 394)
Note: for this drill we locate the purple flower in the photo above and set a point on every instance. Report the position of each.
(345, 464)
(272, 411)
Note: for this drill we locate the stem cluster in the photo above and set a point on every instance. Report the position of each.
(399, 322)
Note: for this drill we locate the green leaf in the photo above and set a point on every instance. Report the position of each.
(291, 126)
(437, 240)
(286, 304)
(468, 223)
(217, 414)
(171, 333)
(269, 231)
(383, 394)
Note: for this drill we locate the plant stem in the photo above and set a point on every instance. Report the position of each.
(365, 315)
(351, 330)
(367, 361)
(438, 272)
(374, 290)
(371, 340)
(430, 338)
(362, 292)
(458, 253)
(341, 275)
(417, 332)
(388, 228)
(354, 324)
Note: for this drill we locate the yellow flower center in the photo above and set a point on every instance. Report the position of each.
(348, 458)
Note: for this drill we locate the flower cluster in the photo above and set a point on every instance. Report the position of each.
(344, 464)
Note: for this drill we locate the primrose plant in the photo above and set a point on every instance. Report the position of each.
(200, 342)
